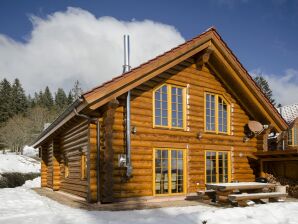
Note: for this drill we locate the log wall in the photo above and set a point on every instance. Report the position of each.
(93, 163)
(49, 150)
(56, 161)
(147, 137)
(44, 167)
(72, 143)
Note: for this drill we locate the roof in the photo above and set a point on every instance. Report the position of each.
(119, 85)
(289, 112)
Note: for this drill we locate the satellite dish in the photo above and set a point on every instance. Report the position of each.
(255, 127)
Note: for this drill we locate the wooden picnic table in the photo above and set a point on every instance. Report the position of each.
(227, 192)
(238, 186)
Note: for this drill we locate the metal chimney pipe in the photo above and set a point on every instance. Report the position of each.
(126, 68)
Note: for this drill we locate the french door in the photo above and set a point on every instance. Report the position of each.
(217, 167)
(169, 171)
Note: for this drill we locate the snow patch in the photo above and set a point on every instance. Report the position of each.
(30, 151)
(32, 183)
(18, 163)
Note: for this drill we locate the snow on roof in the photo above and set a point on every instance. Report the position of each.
(289, 112)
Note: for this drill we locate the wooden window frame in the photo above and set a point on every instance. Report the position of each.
(170, 173)
(66, 168)
(216, 131)
(169, 101)
(294, 136)
(217, 166)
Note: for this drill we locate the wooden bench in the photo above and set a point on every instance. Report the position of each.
(208, 194)
(255, 196)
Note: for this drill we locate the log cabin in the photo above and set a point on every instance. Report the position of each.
(162, 129)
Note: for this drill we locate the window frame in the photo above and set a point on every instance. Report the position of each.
(170, 173)
(294, 136)
(216, 131)
(169, 105)
(217, 166)
(66, 168)
(83, 167)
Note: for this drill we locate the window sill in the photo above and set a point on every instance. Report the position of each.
(168, 128)
(218, 133)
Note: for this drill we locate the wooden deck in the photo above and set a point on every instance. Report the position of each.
(81, 203)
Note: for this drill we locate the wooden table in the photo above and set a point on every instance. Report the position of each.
(241, 186)
(222, 191)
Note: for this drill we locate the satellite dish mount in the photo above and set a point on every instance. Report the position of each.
(253, 129)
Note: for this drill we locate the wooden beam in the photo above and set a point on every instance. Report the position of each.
(203, 59)
(280, 159)
(108, 166)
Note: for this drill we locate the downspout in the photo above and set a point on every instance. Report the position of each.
(128, 143)
(126, 68)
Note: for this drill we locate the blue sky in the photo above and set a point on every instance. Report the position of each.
(262, 34)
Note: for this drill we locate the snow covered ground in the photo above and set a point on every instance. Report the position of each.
(18, 163)
(23, 205)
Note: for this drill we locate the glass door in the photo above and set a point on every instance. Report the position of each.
(169, 173)
(217, 167)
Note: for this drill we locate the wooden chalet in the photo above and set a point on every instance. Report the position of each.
(165, 128)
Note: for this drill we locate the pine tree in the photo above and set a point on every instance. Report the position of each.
(5, 100)
(19, 100)
(31, 101)
(61, 100)
(47, 99)
(69, 98)
(77, 90)
(264, 86)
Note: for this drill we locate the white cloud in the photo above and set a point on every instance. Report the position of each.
(284, 87)
(74, 44)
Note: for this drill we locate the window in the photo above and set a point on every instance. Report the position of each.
(295, 133)
(161, 106)
(83, 166)
(293, 136)
(290, 137)
(217, 166)
(169, 171)
(169, 106)
(216, 114)
(66, 169)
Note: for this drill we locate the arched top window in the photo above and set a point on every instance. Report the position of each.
(169, 102)
(217, 115)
